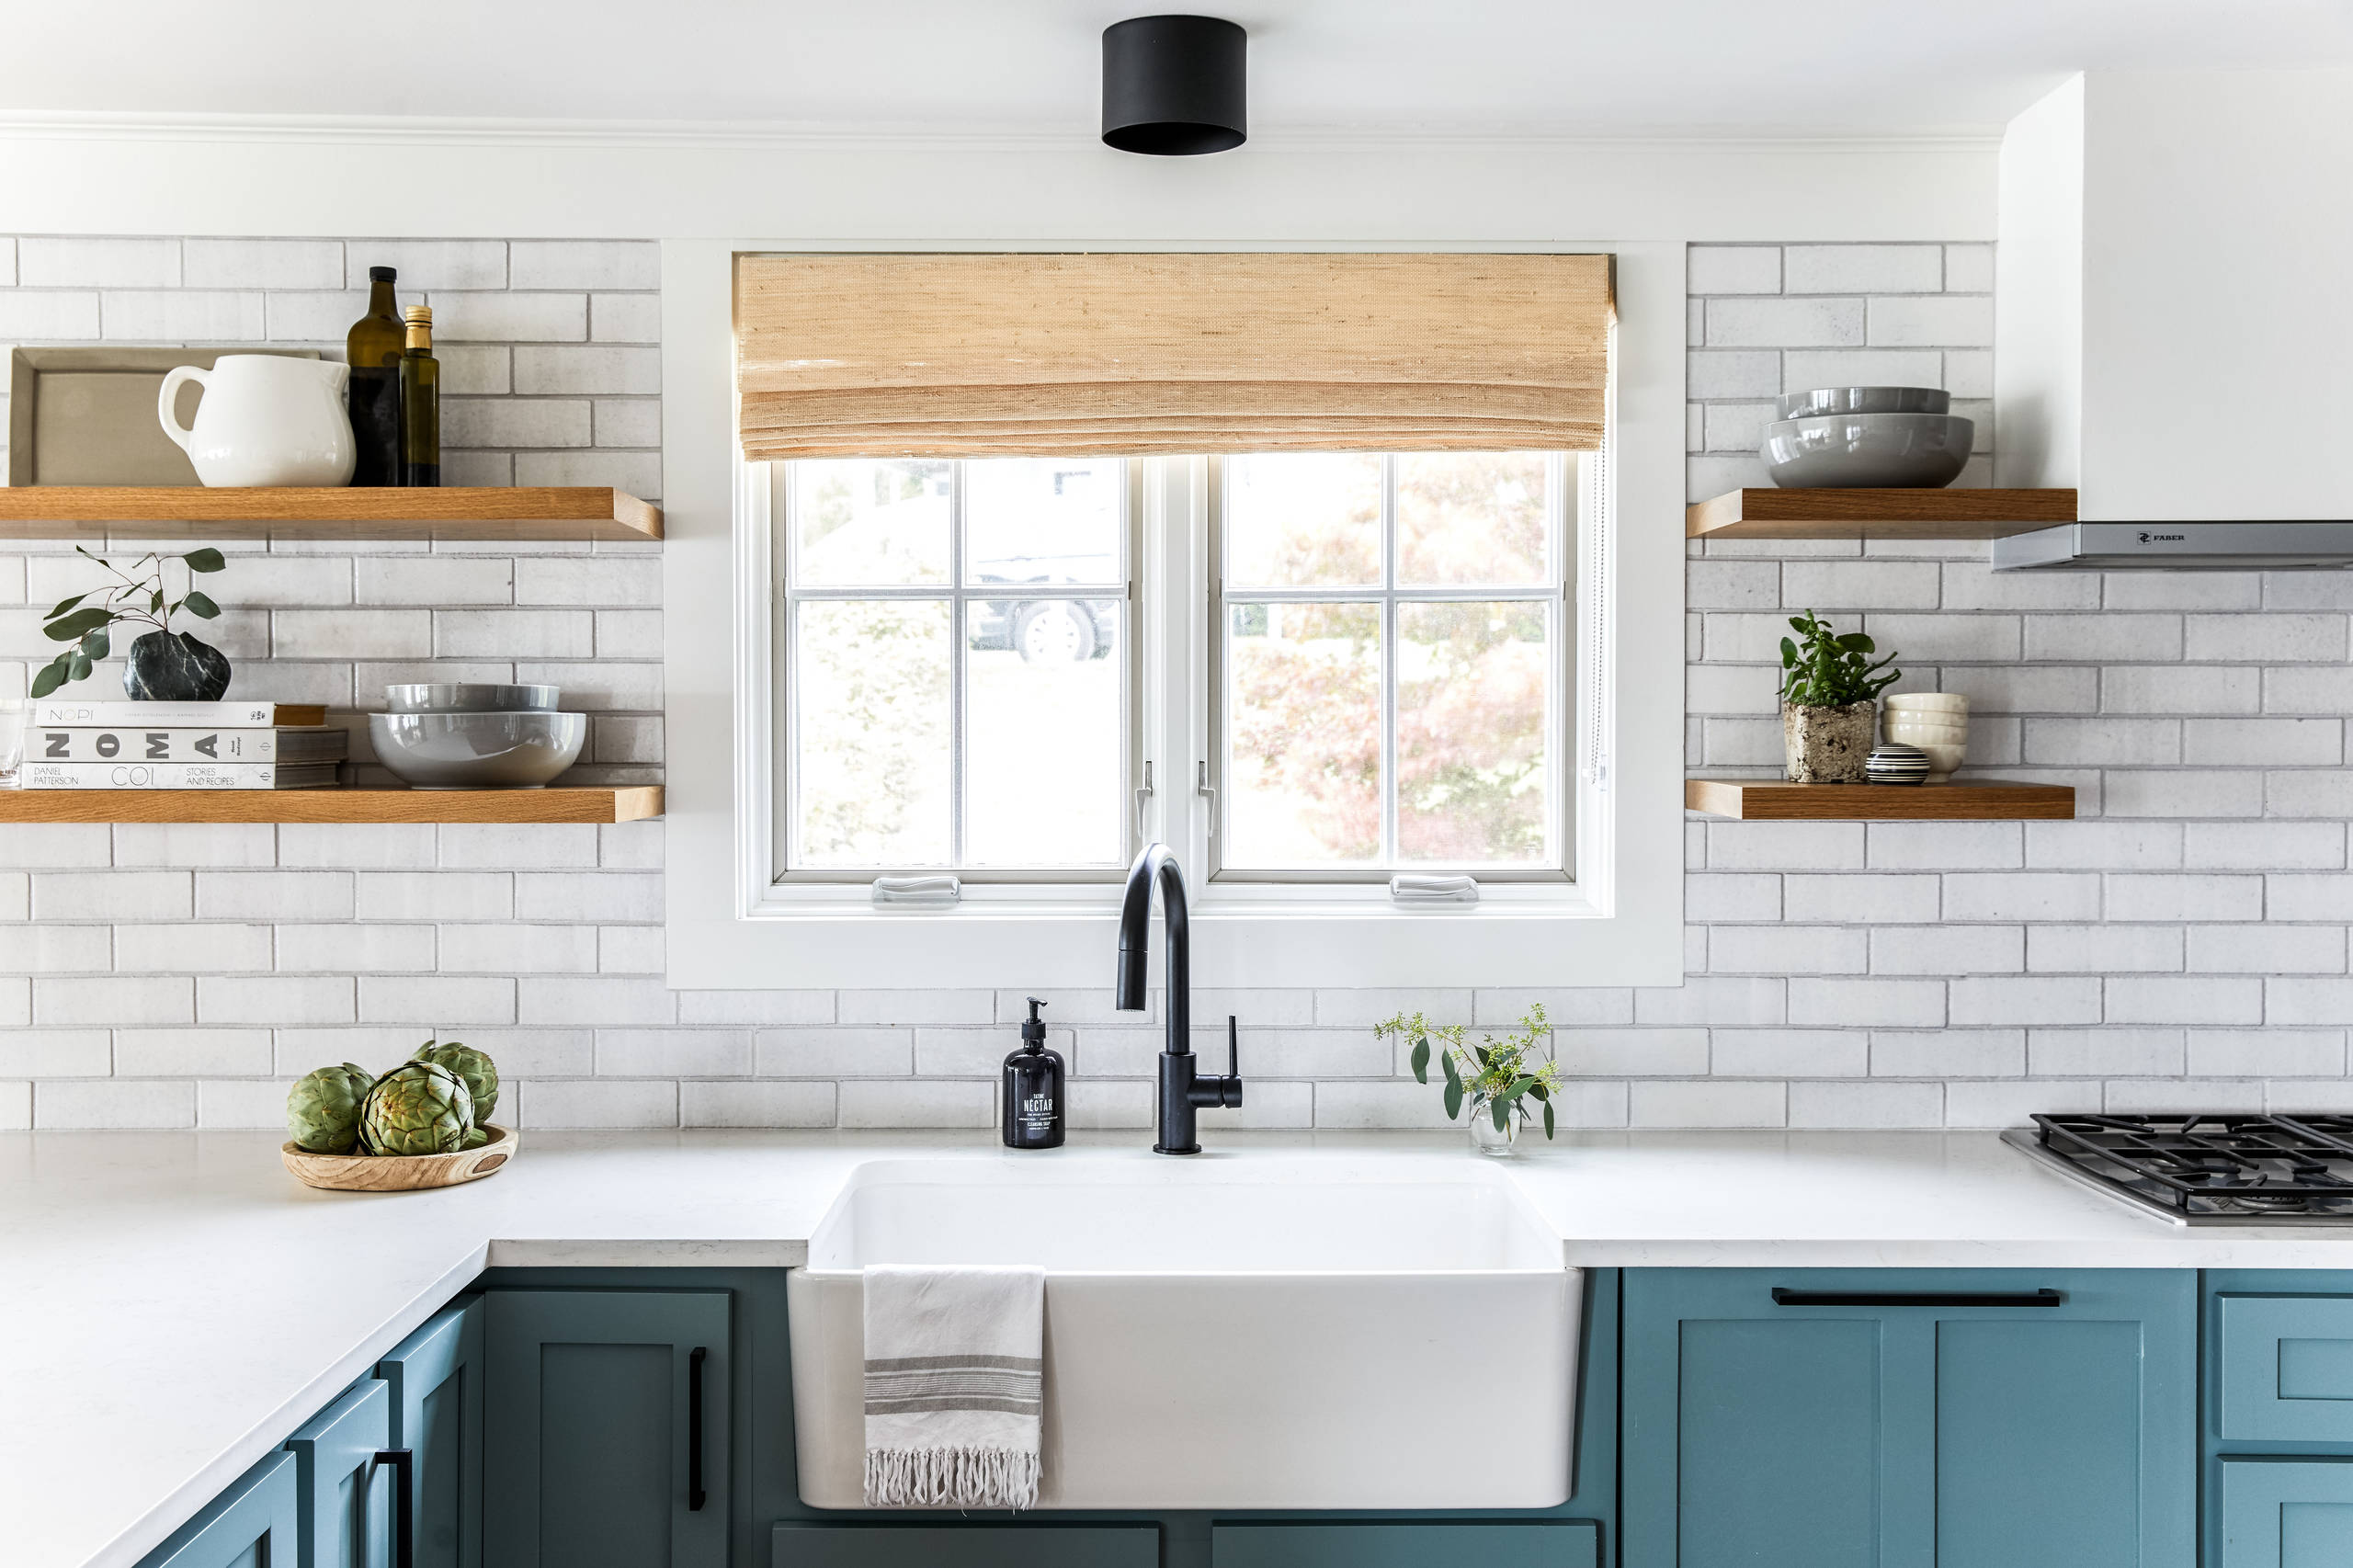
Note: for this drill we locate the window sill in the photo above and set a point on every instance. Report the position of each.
(1064, 937)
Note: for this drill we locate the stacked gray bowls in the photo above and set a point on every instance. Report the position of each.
(475, 737)
(1851, 438)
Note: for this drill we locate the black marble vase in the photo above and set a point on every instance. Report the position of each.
(172, 667)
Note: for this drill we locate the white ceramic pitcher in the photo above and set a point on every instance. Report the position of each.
(264, 419)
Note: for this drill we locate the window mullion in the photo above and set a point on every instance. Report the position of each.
(956, 663)
(1389, 659)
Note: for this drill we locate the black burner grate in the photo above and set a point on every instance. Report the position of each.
(2215, 1166)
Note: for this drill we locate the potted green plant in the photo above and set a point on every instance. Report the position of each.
(1830, 686)
(1503, 1083)
(162, 665)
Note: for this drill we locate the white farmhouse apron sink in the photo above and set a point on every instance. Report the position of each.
(1327, 1331)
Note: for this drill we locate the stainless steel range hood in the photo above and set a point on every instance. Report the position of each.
(2179, 547)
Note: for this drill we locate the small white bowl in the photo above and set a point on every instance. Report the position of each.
(1925, 702)
(1935, 729)
(1942, 759)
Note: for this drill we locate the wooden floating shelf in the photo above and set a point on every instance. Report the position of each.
(1772, 800)
(1877, 514)
(625, 804)
(521, 512)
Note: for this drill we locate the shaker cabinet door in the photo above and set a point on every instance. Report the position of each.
(251, 1525)
(606, 1429)
(1905, 1419)
(2286, 1513)
(346, 1492)
(435, 1380)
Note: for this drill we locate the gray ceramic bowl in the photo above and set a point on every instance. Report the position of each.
(466, 697)
(1865, 400)
(1842, 451)
(477, 751)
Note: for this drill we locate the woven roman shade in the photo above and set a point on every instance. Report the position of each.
(973, 356)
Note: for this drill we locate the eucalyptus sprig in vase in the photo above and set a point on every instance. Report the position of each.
(1504, 1084)
(1830, 686)
(163, 666)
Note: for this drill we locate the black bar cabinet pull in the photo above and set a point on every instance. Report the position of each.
(404, 1463)
(1785, 1297)
(695, 1498)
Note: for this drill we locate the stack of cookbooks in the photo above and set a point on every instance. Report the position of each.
(72, 745)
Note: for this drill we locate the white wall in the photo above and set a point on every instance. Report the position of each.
(2039, 279)
(277, 178)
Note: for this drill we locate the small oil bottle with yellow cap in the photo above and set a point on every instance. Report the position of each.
(420, 402)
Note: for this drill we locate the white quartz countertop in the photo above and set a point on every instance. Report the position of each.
(179, 1305)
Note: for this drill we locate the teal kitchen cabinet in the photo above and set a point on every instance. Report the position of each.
(606, 1428)
(251, 1525)
(343, 1471)
(2278, 1429)
(1405, 1543)
(966, 1546)
(2286, 1512)
(434, 1378)
(1913, 1418)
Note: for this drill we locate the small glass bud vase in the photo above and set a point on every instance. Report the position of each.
(1484, 1138)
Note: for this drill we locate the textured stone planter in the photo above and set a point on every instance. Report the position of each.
(1827, 745)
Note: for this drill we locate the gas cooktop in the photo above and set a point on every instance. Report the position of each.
(2208, 1170)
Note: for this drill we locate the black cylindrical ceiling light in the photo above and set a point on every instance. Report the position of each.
(1173, 85)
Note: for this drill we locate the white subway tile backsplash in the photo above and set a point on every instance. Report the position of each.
(1836, 1105)
(1712, 1102)
(215, 316)
(425, 264)
(2191, 923)
(1861, 270)
(137, 1104)
(43, 262)
(29, 317)
(258, 264)
(57, 1054)
(1952, 321)
(736, 1104)
(586, 264)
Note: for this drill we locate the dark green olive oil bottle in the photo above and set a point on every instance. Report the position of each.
(420, 392)
(373, 349)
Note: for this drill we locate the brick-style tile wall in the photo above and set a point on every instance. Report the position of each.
(2184, 943)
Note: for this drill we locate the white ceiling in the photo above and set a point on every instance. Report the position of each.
(1506, 66)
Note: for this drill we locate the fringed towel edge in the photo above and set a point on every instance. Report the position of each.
(961, 1477)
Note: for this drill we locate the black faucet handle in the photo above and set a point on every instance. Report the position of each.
(1233, 1050)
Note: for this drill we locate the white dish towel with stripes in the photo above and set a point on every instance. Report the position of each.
(955, 1376)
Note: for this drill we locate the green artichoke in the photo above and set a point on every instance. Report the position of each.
(322, 1109)
(475, 1067)
(416, 1108)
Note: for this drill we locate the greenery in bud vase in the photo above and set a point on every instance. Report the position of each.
(1498, 1079)
(164, 666)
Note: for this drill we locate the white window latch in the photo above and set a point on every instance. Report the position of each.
(1412, 887)
(1203, 788)
(937, 889)
(1144, 797)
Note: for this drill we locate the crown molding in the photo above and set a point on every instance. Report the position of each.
(888, 136)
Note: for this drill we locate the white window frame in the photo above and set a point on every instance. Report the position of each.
(731, 926)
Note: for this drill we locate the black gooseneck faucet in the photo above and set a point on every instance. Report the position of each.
(1183, 1089)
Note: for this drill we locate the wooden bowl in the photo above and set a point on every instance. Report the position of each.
(400, 1173)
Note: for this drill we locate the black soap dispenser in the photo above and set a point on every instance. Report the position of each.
(1033, 1089)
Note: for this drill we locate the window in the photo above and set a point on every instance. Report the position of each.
(1387, 657)
(954, 669)
(1578, 866)
(1391, 663)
